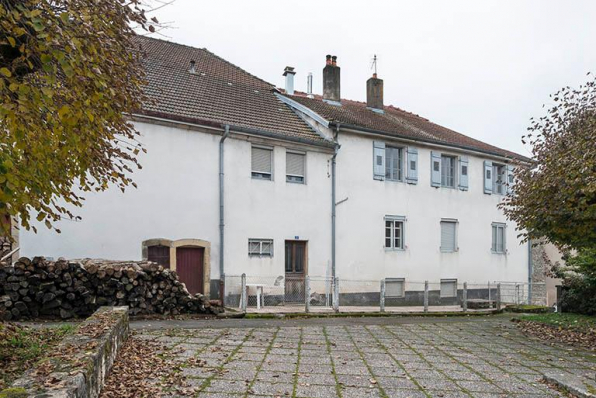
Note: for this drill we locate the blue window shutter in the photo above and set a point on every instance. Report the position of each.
(488, 177)
(464, 171)
(509, 181)
(378, 160)
(412, 166)
(435, 169)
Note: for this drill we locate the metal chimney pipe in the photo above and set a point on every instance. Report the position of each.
(309, 85)
(289, 74)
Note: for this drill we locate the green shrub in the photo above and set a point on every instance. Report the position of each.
(579, 282)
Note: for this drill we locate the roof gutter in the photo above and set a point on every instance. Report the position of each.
(246, 130)
(429, 142)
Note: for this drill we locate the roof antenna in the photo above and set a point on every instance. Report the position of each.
(374, 65)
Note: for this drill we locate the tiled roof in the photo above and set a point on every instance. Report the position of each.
(396, 122)
(218, 93)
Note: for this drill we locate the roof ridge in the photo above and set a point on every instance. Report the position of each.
(210, 53)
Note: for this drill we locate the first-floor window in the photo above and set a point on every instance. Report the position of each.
(393, 162)
(394, 232)
(448, 171)
(262, 163)
(295, 167)
(260, 247)
(448, 236)
(499, 179)
(499, 245)
(448, 288)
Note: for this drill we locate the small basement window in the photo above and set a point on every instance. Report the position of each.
(395, 287)
(260, 247)
(448, 288)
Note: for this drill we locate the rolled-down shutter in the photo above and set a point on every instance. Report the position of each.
(509, 179)
(412, 166)
(463, 173)
(448, 236)
(488, 177)
(295, 164)
(261, 160)
(379, 160)
(435, 169)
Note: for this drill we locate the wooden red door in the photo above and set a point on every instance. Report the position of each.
(189, 266)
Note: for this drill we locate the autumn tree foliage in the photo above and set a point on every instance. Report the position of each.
(68, 81)
(555, 198)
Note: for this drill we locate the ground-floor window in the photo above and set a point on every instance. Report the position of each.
(448, 288)
(448, 235)
(260, 247)
(395, 287)
(498, 232)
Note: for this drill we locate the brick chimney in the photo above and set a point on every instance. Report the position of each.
(331, 80)
(289, 74)
(374, 93)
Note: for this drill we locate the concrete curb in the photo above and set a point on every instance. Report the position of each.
(79, 365)
(291, 315)
(581, 387)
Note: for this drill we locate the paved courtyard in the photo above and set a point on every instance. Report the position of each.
(385, 357)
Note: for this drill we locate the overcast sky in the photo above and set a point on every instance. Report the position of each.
(482, 68)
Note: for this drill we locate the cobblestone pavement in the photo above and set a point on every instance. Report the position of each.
(445, 359)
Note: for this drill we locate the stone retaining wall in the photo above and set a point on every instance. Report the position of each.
(78, 366)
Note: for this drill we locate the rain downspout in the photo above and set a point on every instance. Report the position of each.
(221, 214)
(333, 202)
(530, 270)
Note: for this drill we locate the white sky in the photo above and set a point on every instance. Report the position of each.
(482, 68)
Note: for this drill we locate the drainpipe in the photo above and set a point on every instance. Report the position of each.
(530, 270)
(333, 202)
(221, 214)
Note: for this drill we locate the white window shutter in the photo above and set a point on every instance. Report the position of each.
(379, 160)
(509, 180)
(463, 173)
(295, 164)
(261, 160)
(435, 169)
(412, 166)
(488, 177)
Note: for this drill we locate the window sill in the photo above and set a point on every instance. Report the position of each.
(296, 182)
(391, 249)
(449, 251)
(260, 255)
(500, 253)
(261, 178)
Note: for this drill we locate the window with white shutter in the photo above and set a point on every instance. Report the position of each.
(295, 167)
(395, 287)
(447, 171)
(499, 245)
(448, 236)
(260, 247)
(448, 288)
(262, 163)
(393, 163)
(499, 179)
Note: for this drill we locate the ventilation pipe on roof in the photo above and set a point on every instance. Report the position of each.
(289, 74)
(309, 86)
(331, 81)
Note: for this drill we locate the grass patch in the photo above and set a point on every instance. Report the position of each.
(526, 308)
(21, 347)
(564, 321)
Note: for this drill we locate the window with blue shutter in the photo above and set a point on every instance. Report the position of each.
(435, 169)
(509, 179)
(378, 160)
(463, 173)
(412, 166)
(488, 177)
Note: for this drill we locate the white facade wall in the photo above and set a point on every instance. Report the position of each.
(178, 197)
(361, 228)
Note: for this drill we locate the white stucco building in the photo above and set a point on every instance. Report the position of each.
(241, 177)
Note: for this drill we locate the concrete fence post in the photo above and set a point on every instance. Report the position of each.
(336, 294)
(498, 296)
(243, 294)
(382, 297)
(465, 297)
(307, 294)
(425, 296)
(490, 303)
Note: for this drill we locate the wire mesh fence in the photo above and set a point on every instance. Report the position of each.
(306, 293)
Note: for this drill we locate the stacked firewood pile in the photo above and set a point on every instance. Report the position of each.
(37, 288)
